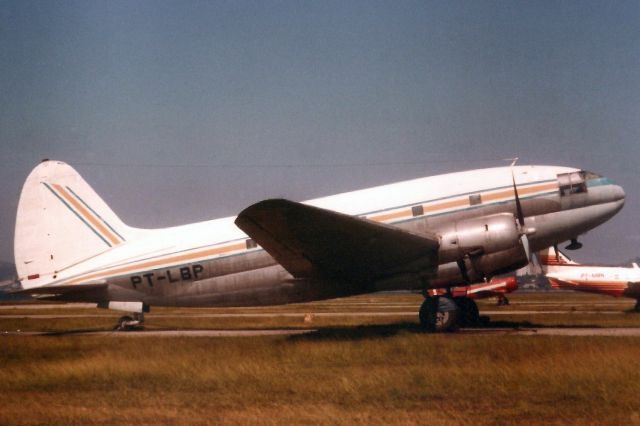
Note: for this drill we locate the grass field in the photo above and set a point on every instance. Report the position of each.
(355, 369)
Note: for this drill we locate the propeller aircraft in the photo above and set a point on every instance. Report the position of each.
(428, 233)
(564, 273)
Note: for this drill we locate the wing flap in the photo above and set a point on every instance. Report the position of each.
(314, 242)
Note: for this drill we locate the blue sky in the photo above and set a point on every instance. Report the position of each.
(185, 111)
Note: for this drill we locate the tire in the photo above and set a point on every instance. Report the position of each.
(438, 314)
(427, 314)
(469, 315)
(123, 323)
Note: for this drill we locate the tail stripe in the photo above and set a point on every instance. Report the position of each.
(551, 260)
(76, 213)
(87, 215)
(96, 214)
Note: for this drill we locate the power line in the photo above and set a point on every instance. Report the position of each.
(497, 161)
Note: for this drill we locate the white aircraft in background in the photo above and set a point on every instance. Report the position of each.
(564, 273)
(432, 232)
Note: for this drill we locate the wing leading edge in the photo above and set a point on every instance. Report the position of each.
(311, 242)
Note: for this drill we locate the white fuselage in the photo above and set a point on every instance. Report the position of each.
(214, 263)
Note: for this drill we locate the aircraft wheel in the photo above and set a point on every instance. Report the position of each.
(637, 307)
(123, 323)
(127, 323)
(469, 315)
(438, 314)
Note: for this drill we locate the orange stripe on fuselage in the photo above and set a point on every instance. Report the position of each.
(532, 189)
(447, 205)
(597, 286)
(221, 250)
(87, 215)
(521, 192)
(161, 262)
(426, 209)
(464, 202)
(389, 216)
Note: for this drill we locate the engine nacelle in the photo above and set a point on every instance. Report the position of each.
(473, 249)
(479, 236)
(470, 251)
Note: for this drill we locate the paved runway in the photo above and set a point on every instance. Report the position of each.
(168, 333)
(302, 314)
(550, 331)
(382, 307)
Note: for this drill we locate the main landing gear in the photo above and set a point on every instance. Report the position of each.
(637, 307)
(444, 313)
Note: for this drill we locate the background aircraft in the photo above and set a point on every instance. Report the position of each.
(564, 273)
(433, 232)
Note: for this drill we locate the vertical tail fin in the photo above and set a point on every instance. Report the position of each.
(61, 221)
(551, 257)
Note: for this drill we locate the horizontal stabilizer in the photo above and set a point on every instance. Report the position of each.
(61, 289)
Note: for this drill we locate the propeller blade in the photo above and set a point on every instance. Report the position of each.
(535, 261)
(517, 197)
(525, 245)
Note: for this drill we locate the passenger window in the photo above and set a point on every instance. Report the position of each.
(572, 183)
(475, 199)
(417, 210)
(251, 244)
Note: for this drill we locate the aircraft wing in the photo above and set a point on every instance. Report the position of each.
(313, 242)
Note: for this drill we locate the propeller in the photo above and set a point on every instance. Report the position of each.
(520, 215)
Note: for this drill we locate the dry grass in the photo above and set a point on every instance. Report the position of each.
(363, 375)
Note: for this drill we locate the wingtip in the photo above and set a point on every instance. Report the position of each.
(262, 206)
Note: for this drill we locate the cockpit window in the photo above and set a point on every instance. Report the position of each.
(572, 183)
(590, 175)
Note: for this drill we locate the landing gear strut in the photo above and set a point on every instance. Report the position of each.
(134, 320)
(129, 323)
(503, 301)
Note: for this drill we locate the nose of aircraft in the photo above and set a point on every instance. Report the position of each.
(618, 193)
(615, 199)
(618, 196)
(607, 201)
